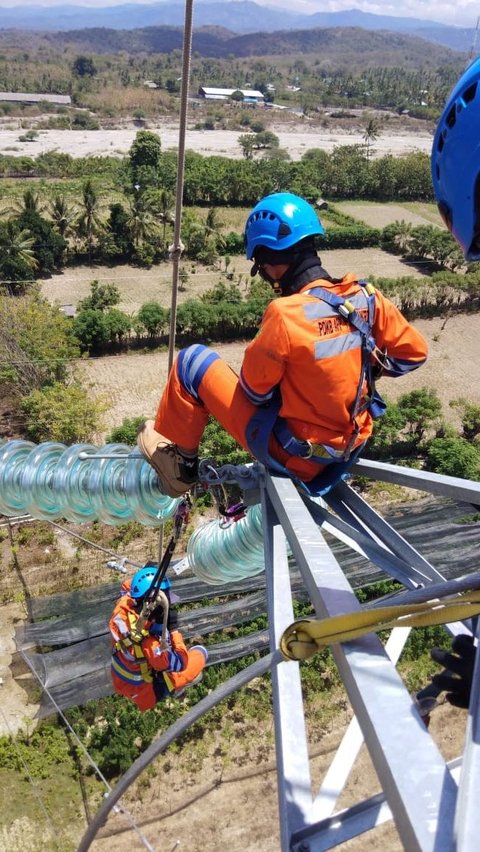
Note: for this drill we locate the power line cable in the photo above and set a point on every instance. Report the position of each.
(95, 767)
(94, 544)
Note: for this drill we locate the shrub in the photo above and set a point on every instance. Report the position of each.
(61, 413)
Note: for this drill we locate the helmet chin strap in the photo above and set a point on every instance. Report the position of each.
(303, 266)
(259, 270)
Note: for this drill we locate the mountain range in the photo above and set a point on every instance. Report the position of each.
(238, 16)
(330, 49)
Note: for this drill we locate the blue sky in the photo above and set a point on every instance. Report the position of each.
(460, 13)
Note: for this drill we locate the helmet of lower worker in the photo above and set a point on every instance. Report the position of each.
(142, 581)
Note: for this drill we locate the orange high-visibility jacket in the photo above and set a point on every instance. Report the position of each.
(128, 675)
(314, 356)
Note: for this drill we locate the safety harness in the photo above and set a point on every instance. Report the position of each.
(266, 419)
(133, 643)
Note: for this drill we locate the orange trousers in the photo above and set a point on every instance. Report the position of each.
(182, 418)
(144, 695)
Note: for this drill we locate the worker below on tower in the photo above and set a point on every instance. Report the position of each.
(305, 399)
(150, 660)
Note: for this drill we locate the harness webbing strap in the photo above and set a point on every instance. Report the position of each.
(133, 644)
(372, 400)
(305, 637)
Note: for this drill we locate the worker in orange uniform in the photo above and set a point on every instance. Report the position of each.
(305, 399)
(143, 669)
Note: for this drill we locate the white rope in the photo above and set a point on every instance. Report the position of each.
(177, 247)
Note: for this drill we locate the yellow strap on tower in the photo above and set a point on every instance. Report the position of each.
(306, 636)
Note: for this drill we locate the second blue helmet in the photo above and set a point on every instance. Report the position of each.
(142, 581)
(279, 221)
(455, 162)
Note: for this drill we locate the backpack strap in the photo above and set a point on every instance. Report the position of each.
(345, 308)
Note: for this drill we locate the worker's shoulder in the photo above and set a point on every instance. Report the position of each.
(123, 604)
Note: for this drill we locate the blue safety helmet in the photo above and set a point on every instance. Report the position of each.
(456, 162)
(279, 221)
(143, 579)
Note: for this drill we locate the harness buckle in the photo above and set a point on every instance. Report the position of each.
(309, 453)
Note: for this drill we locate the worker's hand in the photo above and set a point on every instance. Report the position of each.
(456, 679)
(172, 621)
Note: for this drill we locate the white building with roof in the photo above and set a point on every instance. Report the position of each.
(250, 96)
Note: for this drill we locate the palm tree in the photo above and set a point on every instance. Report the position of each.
(30, 203)
(62, 215)
(403, 235)
(140, 222)
(213, 227)
(17, 244)
(89, 223)
(371, 133)
(17, 256)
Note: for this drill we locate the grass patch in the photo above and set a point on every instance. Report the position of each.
(24, 805)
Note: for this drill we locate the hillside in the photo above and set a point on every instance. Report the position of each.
(332, 46)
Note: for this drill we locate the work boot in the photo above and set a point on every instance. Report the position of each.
(177, 693)
(176, 472)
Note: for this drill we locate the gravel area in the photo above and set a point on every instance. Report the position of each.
(83, 143)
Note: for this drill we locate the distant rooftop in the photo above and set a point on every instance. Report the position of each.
(220, 94)
(27, 98)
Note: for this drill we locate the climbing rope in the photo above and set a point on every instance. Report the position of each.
(177, 247)
(306, 636)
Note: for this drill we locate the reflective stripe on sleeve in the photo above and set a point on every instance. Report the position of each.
(255, 398)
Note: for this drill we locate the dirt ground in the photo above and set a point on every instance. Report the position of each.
(295, 139)
(15, 710)
(236, 808)
(137, 286)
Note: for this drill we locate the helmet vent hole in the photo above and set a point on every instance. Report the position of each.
(284, 230)
(469, 94)
(440, 144)
(474, 249)
(451, 118)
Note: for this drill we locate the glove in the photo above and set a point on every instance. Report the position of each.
(456, 679)
(172, 620)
